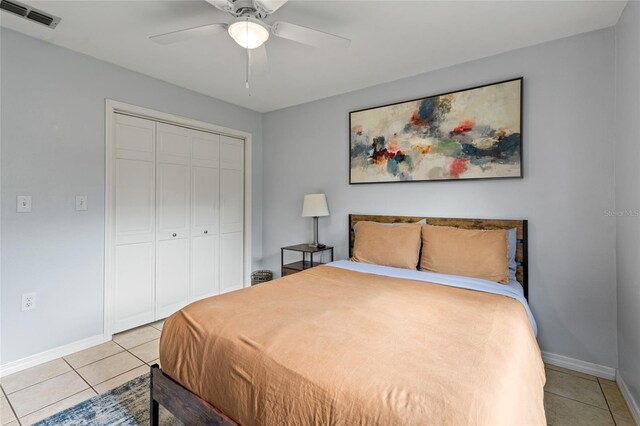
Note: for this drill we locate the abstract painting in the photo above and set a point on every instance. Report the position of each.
(468, 134)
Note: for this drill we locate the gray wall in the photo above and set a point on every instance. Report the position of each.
(628, 194)
(568, 184)
(52, 120)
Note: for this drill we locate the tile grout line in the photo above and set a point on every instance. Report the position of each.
(581, 402)
(84, 380)
(607, 402)
(41, 381)
(49, 405)
(138, 358)
(10, 406)
(137, 346)
(118, 375)
(97, 360)
(55, 402)
(79, 375)
(75, 370)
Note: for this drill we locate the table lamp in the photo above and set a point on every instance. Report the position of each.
(315, 205)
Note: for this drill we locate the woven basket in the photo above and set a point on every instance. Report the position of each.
(262, 276)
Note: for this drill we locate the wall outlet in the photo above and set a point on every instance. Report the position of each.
(28, 301)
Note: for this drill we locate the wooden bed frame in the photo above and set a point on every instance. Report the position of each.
(522, 258)
(193, 410)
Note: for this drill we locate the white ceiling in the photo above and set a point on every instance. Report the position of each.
(390, 40)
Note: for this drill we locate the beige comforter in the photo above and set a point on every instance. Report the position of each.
(332, 346)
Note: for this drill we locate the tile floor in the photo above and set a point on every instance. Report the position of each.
(36, 393)
(571, 398)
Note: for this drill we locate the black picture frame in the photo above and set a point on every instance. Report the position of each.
(521, 162)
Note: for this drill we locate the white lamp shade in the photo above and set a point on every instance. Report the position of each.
(315, 205)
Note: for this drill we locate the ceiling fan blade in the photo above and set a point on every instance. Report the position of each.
(224, 5)
(270, 6)
(181, 35)
(308, 35)
(258, 59)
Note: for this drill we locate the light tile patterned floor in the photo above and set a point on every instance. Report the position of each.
(571, 398)
(36, 393)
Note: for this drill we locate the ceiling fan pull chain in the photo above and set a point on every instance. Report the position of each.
(248, 61)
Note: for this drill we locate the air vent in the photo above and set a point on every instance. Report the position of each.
(39, 17)
(13, 8)
(30, 13)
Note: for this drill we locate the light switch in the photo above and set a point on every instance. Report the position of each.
(23, 204)
(81, 202)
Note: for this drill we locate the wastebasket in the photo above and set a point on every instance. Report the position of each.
(262, 276)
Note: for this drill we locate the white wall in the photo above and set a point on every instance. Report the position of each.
(568, 184)
(52, 118)
(628, 194)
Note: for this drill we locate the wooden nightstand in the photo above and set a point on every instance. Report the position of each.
(292, 268)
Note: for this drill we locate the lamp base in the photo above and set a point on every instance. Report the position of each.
(315, 233)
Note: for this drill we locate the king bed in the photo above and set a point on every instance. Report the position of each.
(358, 343)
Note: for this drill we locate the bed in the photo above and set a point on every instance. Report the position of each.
(351, 343)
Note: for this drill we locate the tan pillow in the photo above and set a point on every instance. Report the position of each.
(379, 244)
(467, 252)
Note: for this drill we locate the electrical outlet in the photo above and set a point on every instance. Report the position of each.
(28, 301)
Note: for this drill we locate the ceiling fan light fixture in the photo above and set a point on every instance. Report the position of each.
(248, 32)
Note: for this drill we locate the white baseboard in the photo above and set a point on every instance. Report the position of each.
(632, 403)
(578, 365)
(50, 355)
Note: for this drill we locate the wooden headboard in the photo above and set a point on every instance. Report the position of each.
(522, 271)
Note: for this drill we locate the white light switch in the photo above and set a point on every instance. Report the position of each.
(81, 202)
(23, 204)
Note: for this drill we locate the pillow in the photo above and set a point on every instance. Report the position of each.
(378, 244)
(512, 244)
(467, 252)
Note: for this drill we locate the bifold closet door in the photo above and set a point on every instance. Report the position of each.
(134, 169)
(173, 214)
(205, 217)
(231, 213)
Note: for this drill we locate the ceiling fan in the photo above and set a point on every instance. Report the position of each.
(249, 29)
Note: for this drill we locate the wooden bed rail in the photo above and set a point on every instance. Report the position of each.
(183, 404)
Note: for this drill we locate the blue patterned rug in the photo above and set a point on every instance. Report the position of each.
(126, 405)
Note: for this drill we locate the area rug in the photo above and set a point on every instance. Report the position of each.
(126, 405)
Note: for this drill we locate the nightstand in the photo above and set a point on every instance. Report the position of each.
(306, 262)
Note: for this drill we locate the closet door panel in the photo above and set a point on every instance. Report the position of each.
(174, 151)
(205, 200)
(231, 201)
(135, 137)
(135, 200)
(231, 267)
(206, 149)
(204, 267)
(172, 276)
(231, 213)
(205, 179)
(173, 200)
(134, 251)
(134, 285)
(173, 218)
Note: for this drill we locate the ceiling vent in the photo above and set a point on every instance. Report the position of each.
(30, 13)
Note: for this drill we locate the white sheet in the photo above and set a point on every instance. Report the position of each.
(513, 289)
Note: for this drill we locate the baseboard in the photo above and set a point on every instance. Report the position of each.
(581, 366)
(50, 355)
(632, 403)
